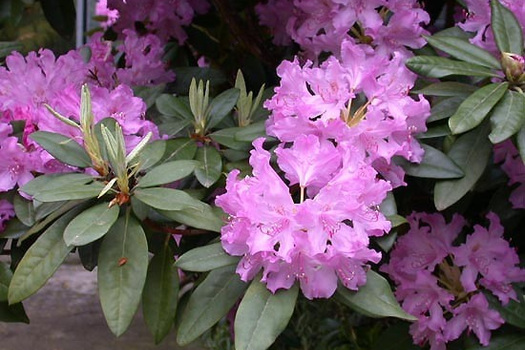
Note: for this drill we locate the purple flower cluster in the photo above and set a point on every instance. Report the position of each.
(514, 167)
(340, 123)
(442, 283)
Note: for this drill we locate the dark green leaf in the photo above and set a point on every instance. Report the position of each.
(447, 89)
(226, 137)
(507, 117)
(221, 105)
(209, 170)
(122, 268)
(173, 128)
(14, 229)
(464, 51)
(387, 241)
(160, 296)
(521, 142)
(88, 254)
(167, 172)
(205, 218)
(471, 152)
(12, 313)
(24, 210)
(186, 74)
(45, 209)
(180, 148)
(395, 337)
(506, 28)
(152, 153)
(5, 279)
(396, 220)
(262, 316)
(476, 107)
(61, 15)
(435, 131)
(251, 132)
(7, 47)
(434, 165)
(140, 209)
(91, 224)
(149, 94)
(504, 342)
(444, 109)
(202, 259)
(374, 299)
(167, 199)
(174, 107)
(62, 148)
(69, 192)
(55, 181)
(438, 67)
(40, 261)
(210, 301)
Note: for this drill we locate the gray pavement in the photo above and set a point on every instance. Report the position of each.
(66, 315)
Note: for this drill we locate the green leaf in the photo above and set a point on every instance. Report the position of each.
(434, 165)
(160, 295)
(24, 210)
(503, 342)
(226, 137)
(395, 337)
(513, 313)
(5, 279)
(374, 299)
(506, 28)
(7, 47)
(167, 172)
(262, 316)
(447, 89)
(464, 51)
(521, 142)
(148, 94)
(174, 107)
(186, 74)
(221, 105)
(40, 261)
(205, 218)
(91, 224)
(207, 258)
(70, 192)
(167, 199)
(14, 229)
(122, 268)
(435, 131)
(62, 148)
(210, 301)
(476, 107)
(55, 181)
(180, 148)
(438, 67)
(61, 16)
(173, 128)
(386, 242)
(471, 152)
(152, 154)
(444, 109)
(251, 132)
(507, 117)
(396, 220)
(13, 313)
(209, 170)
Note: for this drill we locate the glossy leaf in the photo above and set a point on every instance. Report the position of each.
(435, 131)
(55, 181)
(62, 148)
(210, 301)
(167, 172)
(13, 313)
(507, 30)
(445, 109)
(205, 218)
(221, 105)
(160, 295)
(374, 299)
(210, 167)
(5, 279)
(262, 316)
(180, 148)
(471, 153)
(251, 132)
(70, 192)
(167, 199)
(40, 261)
(513, 313)
(152, 154)
(447, 89)
(173, 128)
(24, 210)
(207, 258)
(503, 342)
(174, 106)
(508, 117)
(434, 165)
(91, 224)
(476, 107)
(464, 51)
(227, 138)
(439, 67)
(122, 268)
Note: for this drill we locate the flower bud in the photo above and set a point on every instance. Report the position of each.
(513, 66)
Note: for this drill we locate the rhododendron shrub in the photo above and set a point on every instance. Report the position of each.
(273, 165)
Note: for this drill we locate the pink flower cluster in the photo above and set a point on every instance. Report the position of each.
(340, 123)
(476, 19)
(164, 18)
(514, 167)
(322, 26)
(442, 284)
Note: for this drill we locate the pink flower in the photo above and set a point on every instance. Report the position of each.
(514, 167)
(16, 164)
(101, 9)
(477, 317)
